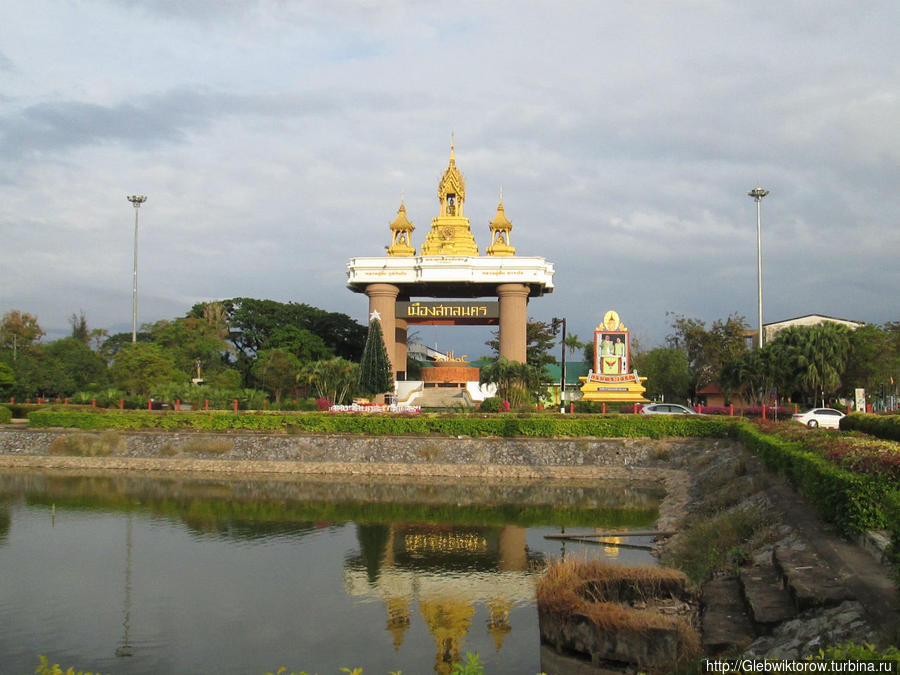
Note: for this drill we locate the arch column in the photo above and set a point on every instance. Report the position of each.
(383, 299)
(400, 333)
(513, 319)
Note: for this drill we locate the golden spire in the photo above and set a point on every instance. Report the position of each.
(401, 234)
(450, 233)
(500, 231)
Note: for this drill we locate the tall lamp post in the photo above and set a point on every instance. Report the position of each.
(555, 325)
(136, 201)
(758, 193)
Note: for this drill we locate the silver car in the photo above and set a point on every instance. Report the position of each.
(666, 409)
(820, 417)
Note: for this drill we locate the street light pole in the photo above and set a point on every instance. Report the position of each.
(555, 324)
(758, 193)
(136, 201)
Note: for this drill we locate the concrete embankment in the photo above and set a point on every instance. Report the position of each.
(249, 454)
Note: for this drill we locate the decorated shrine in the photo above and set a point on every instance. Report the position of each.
(610, 380)
(449, 266)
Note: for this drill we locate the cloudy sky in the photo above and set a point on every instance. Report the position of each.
(274, 139)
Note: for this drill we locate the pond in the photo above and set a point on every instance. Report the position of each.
(126, 575)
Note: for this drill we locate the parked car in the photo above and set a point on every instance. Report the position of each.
(666, 409)
(820, 417)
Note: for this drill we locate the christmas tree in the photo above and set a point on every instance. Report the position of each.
(375, 375)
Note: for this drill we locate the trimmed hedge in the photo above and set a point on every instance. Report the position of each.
(854, 502)
(543, 426)
(5, 415)
(881, 426)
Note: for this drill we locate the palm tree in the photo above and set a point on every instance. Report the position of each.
(573, 343)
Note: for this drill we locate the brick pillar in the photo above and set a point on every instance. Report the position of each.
(383, 298)
(513, 318)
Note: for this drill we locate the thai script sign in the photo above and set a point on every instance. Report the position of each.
(426, 311)
(608, 379)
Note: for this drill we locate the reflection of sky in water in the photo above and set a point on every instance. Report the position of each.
(150, 571)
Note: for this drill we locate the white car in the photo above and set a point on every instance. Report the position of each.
(666, 409)
(820, 417)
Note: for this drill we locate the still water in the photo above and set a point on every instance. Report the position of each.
(130, 576)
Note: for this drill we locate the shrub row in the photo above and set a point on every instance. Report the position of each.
(5, 415)
(651, 426)
(853, 502)
(881, 426)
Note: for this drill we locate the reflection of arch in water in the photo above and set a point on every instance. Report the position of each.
(448, 571)
(448, 620)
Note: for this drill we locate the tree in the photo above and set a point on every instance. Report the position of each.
(75, 365)
(753, 375)
(874, 358)
(812, 359)
(189, 341)
(80, 328)
(19, 331)
(7, 379)
(573, 343)
(518, 383)
(276, 370)
(302, 343)
(540, 339)
(335, 379)
(252, 324)
(667, 372)
(707, 350)
(140, 366)
(375, 376)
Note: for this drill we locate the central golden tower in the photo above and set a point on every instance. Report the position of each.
(450, 233)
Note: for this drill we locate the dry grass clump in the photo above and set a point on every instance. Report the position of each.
(571, 583)
(217, 446)
(600, 593)
(88, 445)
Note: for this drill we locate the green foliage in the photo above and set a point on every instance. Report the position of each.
(335, 379)
(526, 425)
(667, 371)
(138, 367)
(492, 405)
(256, 325)
(471, 666)
(540, 339)
(44, 668)
(753, 374)
(852, 501)
(518, 383)
(276, 370)
(850, 651)
(7, 379)
(813, 358)
(19, 330)
(707, 350)
(5, 415)
(881, 426)
(874, 357)
(375, 373)
(713, 544)
(75, 366)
